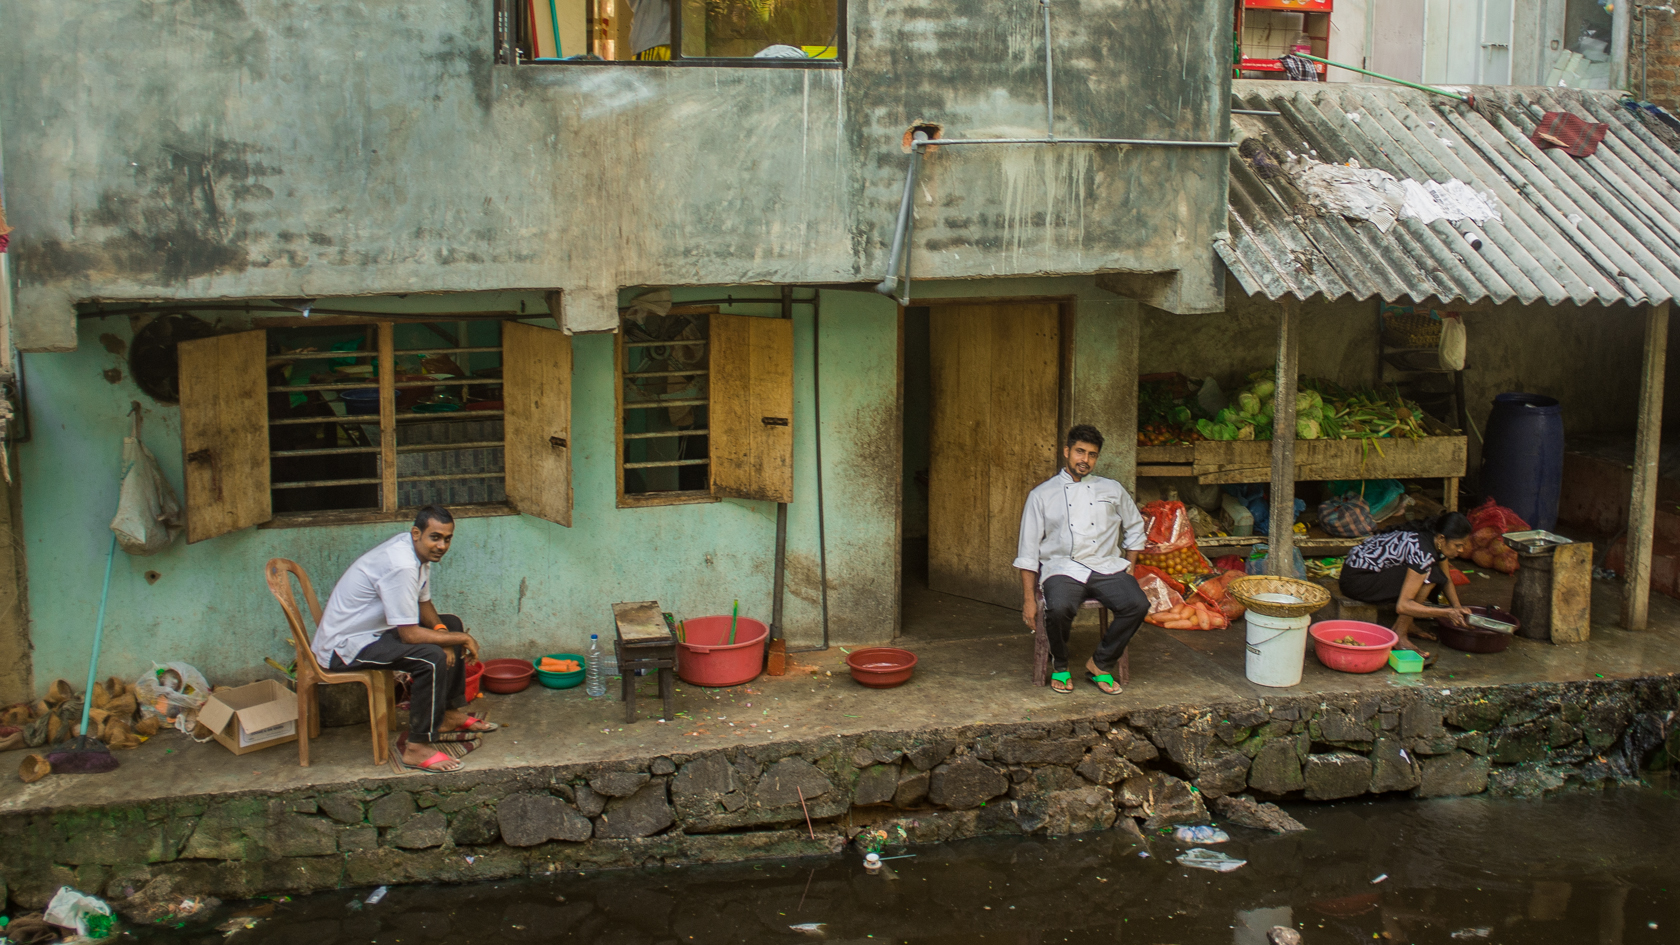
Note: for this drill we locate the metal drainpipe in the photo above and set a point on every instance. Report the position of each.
(781, 522)
(889, 285)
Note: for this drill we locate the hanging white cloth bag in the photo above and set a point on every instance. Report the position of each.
(148, 514)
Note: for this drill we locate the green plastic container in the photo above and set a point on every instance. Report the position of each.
(1404, 661)
(561, 680)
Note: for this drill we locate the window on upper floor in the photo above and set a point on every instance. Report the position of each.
(777, 33)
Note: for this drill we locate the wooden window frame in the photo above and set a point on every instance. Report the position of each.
(389, 511)
(658, 499)
(509, 15)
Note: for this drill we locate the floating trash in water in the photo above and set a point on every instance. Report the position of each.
(1210, 860)
(1200, 835)
(1379, 879)
(809, 928)
(378, 894)
(1466, 934)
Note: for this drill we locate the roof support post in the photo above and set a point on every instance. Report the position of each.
(1621, 39)
(1636, 591)
(1280, 558)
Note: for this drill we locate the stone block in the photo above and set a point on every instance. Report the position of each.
(1453, 775)
(876, 785)
(1528, 780)
(912, 789)
(222, 831)
(1162, 800)
(927, 755)
(526, 820)
(662, 767)
(1336, 775)
(642, 814)
(1247, 812)
(1521, 745)
(344, 807)
(356, 839)
(302, 835)
(589, 803)
(965, 783)
(1339, 727)
(1015, 750)
(701, 784)
(421, 832)
(1225, 773)
(1419, 719)
(392, 809)
(1277, 768)
(1477, 716)
(1392, 767)
(1080, 810)
(787, 781)
(618, 783)
(1104, 766)
(474, 826)
(1132, 746)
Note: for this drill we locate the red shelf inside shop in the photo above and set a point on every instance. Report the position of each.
(1273, 65)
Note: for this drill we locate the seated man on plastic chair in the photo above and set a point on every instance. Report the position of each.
(380, 616)
(1079, 535)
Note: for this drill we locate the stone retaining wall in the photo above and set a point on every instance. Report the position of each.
(1155, 768)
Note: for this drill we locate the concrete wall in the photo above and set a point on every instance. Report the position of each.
(260, 148)
(1587, 358)
(525, 585)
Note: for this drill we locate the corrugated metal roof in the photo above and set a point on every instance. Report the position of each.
(1604, 229)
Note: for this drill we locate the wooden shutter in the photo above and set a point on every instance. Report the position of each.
(224, 433)
(537, 425)
(751, 412)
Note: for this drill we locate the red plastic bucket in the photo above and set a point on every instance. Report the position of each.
(475, 672)
(705, 658)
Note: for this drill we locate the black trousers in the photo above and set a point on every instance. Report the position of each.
(435, 685)
(1385, 586)
(1120, 593)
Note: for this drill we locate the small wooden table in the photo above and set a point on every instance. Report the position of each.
(643, 642)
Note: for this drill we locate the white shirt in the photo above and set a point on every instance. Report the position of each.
(1074, 528)
(383, 589)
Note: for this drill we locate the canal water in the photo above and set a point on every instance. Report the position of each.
(1584, 869)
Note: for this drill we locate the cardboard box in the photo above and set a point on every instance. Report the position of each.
(252, 717)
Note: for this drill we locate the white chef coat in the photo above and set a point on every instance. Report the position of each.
(383, 589)
(1075, 528)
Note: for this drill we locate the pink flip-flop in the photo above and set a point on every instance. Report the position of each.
(431, 764)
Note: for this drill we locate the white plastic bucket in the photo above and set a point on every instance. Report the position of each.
(1277, 647)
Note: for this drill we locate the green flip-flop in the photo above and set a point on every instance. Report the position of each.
(1099, 679)
(1061, 677)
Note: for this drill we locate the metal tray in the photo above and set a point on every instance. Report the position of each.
(1538, 541)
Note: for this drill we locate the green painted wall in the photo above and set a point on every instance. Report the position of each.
(526, 586)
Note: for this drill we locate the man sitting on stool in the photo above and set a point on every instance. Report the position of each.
(1073, 530)
(380, 616)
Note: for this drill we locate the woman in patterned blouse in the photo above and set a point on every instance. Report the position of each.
(1406, 566)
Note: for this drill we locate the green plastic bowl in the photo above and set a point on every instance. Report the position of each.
(561, 680)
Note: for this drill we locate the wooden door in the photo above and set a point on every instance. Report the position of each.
(751, 416)
(996, 386)
(224, 433)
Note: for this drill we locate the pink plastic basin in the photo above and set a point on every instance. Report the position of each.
(881, 667)
(705, 657)
(1342, 657)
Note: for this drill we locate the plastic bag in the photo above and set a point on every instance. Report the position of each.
(91, 918)
(1230, 563)
(1163, 592)
(1382, 496)
(1454, 341)
(1489, 521)
(173, 693)
(148, 513)
(1169, 528)
(1216, 592)
(1257, 562)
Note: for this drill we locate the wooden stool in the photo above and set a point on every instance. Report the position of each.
(643, 642)
(1041, 645)
(1553, 596)
(1349, 609)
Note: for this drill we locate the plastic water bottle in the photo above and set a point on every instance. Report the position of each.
(594, 680)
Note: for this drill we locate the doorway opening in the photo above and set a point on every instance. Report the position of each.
(982, 414)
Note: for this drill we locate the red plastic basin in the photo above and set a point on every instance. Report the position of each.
(881, 667)
(506, 676)
(1343, 657)
(706, 658)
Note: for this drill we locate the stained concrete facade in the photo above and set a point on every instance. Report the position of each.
(257, 149)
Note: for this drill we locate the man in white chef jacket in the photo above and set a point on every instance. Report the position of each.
(1079, 536)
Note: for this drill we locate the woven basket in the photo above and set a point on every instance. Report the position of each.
(1247, 590)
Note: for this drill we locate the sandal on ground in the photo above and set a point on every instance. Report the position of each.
(458, 735)
(1102, 680)
(1061, 682)
(439, 761)
(476, 724)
